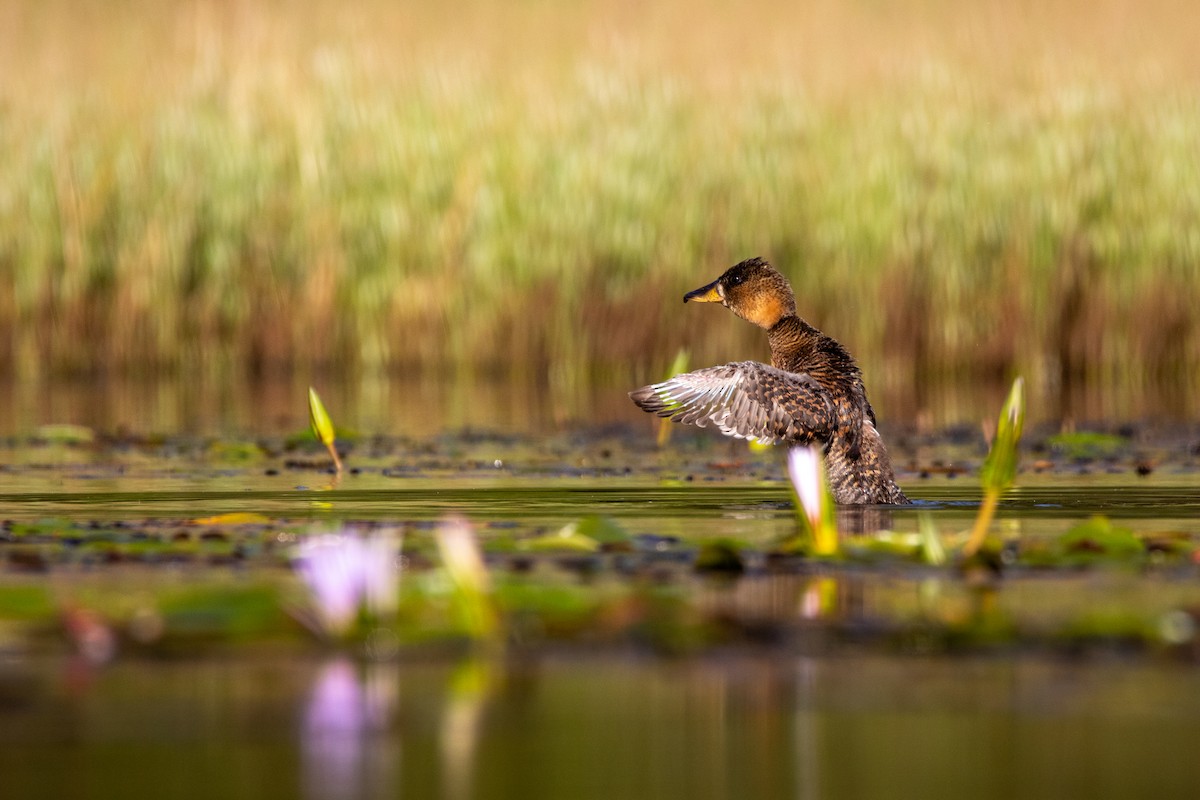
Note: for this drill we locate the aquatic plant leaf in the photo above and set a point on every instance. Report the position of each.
(1098, 536)
(25, 602)
(892, 544)
(463, 561)
(566, 538)
(1000, 468)
(65, 433)
(605, 530)
(932, 551)
(224, 612)
(234, 518)
(234, 452)
(1087, 444)
(322, 425)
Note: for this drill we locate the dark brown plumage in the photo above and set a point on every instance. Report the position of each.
(811, 394)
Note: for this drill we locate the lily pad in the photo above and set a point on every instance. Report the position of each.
(566, 538)
(1099, 538)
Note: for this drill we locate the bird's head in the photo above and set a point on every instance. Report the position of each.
(753, 289)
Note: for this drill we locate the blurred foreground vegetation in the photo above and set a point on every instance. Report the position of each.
(530, 188)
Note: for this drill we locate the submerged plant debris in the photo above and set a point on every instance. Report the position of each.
(592, 538)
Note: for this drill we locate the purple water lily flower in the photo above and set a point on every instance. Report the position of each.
(347, 572)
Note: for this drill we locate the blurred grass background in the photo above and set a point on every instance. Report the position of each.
(956, 189)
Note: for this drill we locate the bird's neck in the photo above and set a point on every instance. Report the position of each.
(793, 344)
(797, 346)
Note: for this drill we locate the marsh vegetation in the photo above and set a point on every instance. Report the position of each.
(953, 190)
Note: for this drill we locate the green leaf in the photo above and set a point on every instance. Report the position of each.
(568, 537)
(469, 576)
(1099, 537)
(1000, 468)
(605, 530)
(932, 551)
(322, 426)
(318, 417)
(63, 433)
(1088, 444)
(680, 364)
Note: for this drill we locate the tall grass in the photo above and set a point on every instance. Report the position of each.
(531, 189)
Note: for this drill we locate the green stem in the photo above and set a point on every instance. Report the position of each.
(825, 538)
(986, 510)
(337, 462)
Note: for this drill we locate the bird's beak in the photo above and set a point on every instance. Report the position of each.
(707, 294)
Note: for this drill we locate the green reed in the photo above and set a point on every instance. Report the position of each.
(271, 214)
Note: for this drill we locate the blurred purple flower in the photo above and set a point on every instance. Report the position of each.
(347, 571)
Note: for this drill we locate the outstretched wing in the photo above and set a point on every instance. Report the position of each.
(745, 399)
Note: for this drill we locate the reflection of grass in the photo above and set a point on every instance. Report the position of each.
(185, 187)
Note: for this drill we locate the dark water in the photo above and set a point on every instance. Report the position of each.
(601, 727)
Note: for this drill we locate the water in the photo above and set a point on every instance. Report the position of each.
(884, 678)
(423, 405)
(600, 727)
(757, 510)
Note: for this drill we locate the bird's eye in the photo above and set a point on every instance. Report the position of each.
(734, 280)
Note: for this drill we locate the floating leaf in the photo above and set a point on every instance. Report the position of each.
(63, 433)
(892, 544)
(235, 518)
(234, 452)
(25, 602)
(604, 530)
(1098, 537)
(566, 538)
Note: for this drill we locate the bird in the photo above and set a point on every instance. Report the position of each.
(811, 394)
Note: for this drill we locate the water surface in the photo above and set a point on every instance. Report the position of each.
(879, 677)
(600, 727)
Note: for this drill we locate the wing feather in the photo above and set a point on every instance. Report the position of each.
(745, 399)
